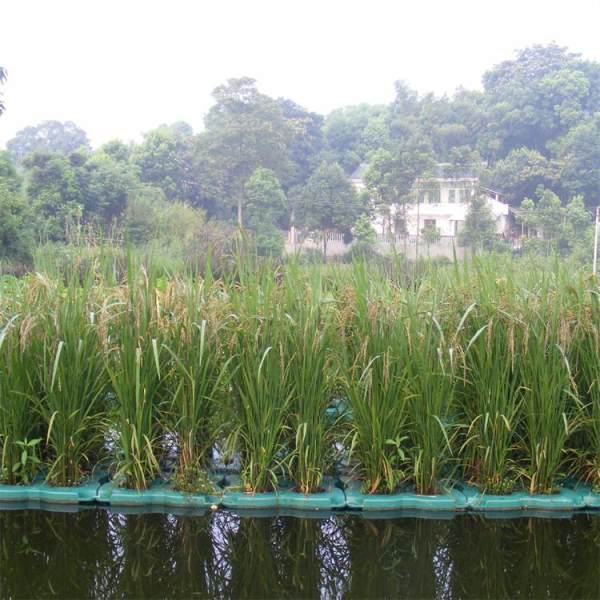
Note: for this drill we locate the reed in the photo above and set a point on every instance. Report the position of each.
(198, 382)
(486, 370)
(491, 405)
(73, 377)
(136, 365)
(550, 408)
(19, 421)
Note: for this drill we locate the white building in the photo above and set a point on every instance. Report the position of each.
(440, 203)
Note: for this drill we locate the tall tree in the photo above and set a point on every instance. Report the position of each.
(244, 130)
(539, 96)
(53, 137)
(520, 173)
(56, 190)
(164, 159)
(266, 205)
(2, 80)
(479, 229)
(578, 154)
(328, 203)
(306, 139)
(9, 178)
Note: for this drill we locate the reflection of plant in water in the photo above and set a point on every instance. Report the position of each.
(481, 566)
(585, 555)
(411, 559)
(254, 559)
(44, 554)
(541, 569)
(297, 542)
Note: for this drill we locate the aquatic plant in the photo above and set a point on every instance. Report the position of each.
(197, 382)
(73, 381)
(19, 420)
(490, 404)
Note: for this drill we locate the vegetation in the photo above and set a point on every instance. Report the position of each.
(411, 377)
(263, 164)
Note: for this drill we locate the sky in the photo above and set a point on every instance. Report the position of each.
(118, 68)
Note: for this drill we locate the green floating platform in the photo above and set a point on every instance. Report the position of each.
(451, 500)
(160, 494)
(331, 498)
(566, 499)
(40, 491)
(456, 497)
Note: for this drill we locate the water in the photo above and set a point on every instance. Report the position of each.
(103, 554)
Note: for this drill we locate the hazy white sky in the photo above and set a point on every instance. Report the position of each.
(120, 67)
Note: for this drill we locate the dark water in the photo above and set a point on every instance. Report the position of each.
(102, 554)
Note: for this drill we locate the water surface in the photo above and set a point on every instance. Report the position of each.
(98, 553)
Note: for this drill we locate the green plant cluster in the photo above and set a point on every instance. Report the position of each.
(399, 378)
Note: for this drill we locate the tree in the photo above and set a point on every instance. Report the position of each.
(56, 189)
(306, 139)
(350, 131)
(539, 95)
(16, 235)
(365, 237)
(108, 184)
(52, 137)
(520, 173)
(578, 154)
(9, 178)
(328, 202)
(244, 130)
(558, 228)
(2, 80)
(150, 218)
(117, 150)
(479, 229)
(164, 160)
(266, 204)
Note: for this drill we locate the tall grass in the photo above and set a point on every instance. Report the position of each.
(431, 405)
(261, 388)
(491, 405)
(198, 382)
(586, 350)
(550, 407)
(308, 347)
(487, 370)
(73, 385)
(18, 394)
(135, 362)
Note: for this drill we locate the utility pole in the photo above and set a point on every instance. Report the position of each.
(595, 262)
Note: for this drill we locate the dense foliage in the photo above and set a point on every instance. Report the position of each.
(401, 375)
(265, 163)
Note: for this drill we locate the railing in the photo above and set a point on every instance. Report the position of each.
(442, 240)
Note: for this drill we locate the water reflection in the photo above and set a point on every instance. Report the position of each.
(99, 553)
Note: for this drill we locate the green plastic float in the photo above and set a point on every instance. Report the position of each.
(337, 495)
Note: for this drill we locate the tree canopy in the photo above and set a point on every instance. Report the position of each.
(262, 162)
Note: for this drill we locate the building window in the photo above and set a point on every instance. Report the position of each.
(452, 196)
(429, 223)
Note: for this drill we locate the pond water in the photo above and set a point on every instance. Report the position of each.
(98, 553)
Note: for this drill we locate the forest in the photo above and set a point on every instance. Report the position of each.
(532, 133)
